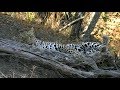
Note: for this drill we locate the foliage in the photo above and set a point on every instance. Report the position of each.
(28, 16)
(105, 17)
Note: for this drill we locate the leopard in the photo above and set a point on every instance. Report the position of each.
(84, 48)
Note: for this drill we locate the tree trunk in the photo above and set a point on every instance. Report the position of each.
(93, 20)
(76, 29)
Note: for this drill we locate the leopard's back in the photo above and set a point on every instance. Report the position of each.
(85, 48)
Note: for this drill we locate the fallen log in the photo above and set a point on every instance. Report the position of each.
(67, 59)
(55, 65)
(52, 61)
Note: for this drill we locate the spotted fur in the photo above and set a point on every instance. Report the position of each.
(85, 48)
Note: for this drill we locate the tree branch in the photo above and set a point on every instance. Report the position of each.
(70, 24)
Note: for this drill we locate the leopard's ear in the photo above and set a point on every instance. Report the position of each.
(105, 40)
(103, 49)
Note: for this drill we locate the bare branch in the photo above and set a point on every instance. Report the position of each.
(3, 75)
(76, 20)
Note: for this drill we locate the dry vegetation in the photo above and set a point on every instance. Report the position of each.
(14, 23)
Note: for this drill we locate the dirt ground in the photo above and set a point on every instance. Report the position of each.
(13, 67)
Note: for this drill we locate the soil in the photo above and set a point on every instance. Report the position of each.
(14, 67)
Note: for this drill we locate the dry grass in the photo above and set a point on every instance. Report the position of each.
(27, 16)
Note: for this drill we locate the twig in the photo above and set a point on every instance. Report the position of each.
(76, 20)
(3, 75)
(33, 69)
(13, 74)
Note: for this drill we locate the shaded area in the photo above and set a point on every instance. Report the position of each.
(11, 28)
